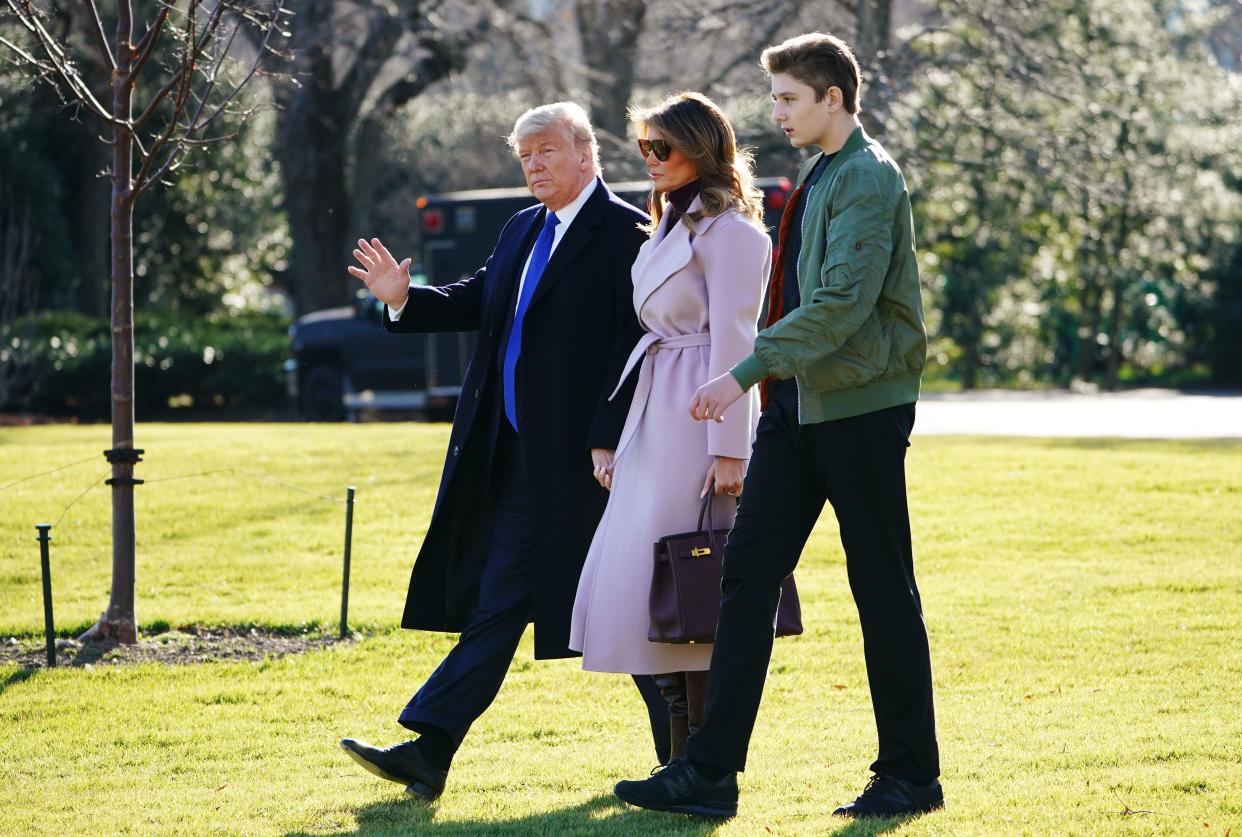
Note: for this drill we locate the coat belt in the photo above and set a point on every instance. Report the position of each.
(645, 352)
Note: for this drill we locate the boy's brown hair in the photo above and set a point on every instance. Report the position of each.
(818, 60)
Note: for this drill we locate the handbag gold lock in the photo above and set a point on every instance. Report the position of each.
(700, 551)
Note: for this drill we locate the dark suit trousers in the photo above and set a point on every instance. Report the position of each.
(467, 681)
(857, 464)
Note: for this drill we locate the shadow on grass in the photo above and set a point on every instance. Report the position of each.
(862, 828)
(19, 676)
(604, 814)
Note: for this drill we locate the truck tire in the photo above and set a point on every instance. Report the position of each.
(321, 397)
(442, 412)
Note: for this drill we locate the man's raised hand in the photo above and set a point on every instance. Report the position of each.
(389, 281)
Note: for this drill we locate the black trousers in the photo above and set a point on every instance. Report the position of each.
(858, 465)
(464, 685)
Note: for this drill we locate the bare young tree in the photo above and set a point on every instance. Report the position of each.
(199, 83)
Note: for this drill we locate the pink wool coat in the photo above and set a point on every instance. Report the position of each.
(698, 296)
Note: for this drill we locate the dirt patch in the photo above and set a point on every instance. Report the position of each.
(175, 647)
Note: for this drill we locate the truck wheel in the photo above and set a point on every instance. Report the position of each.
(442, 412)
(321, 397)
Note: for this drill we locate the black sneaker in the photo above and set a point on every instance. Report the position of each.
(682, 789)
(401, 763)
(888, 796)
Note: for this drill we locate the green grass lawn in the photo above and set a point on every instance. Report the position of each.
(1084, 601)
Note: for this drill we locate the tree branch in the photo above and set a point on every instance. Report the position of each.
(382, 38)
(748, 52)
(146, 45)
(222, 53)
(57, 62)
(184, 131)
(97, 31)
(194, 49)
(271, 27)
(185, 80)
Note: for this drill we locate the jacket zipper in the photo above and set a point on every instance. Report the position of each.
(806, 201)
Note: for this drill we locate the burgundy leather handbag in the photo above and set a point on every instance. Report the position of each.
(685, 586)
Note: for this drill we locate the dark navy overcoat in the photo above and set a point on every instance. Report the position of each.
(578, 331)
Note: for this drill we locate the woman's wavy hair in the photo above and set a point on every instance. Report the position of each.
(697, 127)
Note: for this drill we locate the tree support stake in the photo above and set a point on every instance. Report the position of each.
(349, 536)
(49, 629)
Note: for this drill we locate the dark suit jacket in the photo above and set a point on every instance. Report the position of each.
(579, 328)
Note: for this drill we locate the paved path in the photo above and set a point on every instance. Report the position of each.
(1136, 414)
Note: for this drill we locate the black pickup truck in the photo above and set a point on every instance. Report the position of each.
(345, 366)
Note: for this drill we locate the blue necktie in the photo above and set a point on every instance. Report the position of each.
(513, 348)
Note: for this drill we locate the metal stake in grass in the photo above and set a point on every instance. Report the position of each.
(49, 630)
(349, 535)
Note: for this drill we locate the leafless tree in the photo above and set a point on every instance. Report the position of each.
(349, 65)
(199, 83)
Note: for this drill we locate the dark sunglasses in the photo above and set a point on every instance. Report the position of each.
(660, 148)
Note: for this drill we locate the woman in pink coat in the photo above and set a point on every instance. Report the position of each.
(698, 285)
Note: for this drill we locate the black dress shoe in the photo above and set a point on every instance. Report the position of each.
(888, 796)
(682, 789)
(401, 763)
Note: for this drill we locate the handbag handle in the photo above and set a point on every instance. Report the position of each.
(706, 510)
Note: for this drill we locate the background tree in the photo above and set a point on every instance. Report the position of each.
(54, 163)
(216, 238)
(146, 148)
(1102, 132)
(608, 31)
(1074, 164)
(17, 245)
(350, 65)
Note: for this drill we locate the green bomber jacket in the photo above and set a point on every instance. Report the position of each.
(857, 343)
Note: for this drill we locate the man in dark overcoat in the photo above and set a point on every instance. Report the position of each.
(532, 441)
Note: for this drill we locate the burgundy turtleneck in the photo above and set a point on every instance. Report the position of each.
(679, 201)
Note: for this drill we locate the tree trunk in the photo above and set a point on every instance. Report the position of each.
(118, 623)
(1089, 309)
(970, 365)
(1088, 324)
(369, 158)
(313, 161)
(873, 23)
(317, 114)
(1113, 364)
(872, 35)
(609, 31)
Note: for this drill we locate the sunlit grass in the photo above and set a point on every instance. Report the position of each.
(1083, 598)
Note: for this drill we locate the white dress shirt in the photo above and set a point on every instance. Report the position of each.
(565, 215)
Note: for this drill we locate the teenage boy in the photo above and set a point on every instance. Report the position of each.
(839, 365)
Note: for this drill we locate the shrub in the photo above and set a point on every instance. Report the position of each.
(61, 363)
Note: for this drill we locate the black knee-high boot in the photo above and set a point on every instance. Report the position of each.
(657, 714)
(696, 699)
(673, 688)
